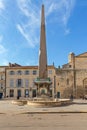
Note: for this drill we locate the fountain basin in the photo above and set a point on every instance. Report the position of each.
(40, 102)
(49, 103)
(19, 102)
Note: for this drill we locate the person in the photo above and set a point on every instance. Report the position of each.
(17, 97)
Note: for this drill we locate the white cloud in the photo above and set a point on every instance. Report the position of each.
(2, 49)
(3, 53)
(61, 10)
(29, 29)
(2, 12)
(2, 6)
(25, 35)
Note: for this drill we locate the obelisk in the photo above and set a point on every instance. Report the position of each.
(43, 52)
(43, 82)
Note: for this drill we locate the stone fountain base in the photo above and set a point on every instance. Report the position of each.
(43, 102)
(39, 102)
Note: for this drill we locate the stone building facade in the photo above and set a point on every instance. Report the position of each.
(2, 81)
(71, 79)
(20, 81)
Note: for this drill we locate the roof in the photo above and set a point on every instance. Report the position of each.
(82, 55)
(27, 67)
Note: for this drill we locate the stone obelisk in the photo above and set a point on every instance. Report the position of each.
(43, 52)
(43, 81)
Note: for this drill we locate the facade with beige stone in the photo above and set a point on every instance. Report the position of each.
(20, 81)
(71, 79)
(2, 81)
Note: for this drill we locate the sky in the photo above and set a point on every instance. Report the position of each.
(66, 30)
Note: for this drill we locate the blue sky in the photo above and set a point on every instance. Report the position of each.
(66, 30)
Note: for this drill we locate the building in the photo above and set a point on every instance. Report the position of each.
(2, 81)
(71, 79)
(20, 80)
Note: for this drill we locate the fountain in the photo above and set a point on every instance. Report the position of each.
(43, 82)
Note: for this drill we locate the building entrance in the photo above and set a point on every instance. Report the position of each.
(1, 94)
(19, 93)
(34, 93)
(26, 93)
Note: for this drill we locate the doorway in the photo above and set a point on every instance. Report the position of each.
(34, 93)
(19, 93)
(26, 93)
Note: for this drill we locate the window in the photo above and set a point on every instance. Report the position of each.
(19, 72)
(34, 72)
(26, 83)
(18, 93)
(27, 72)
(19, 82)
(11, 83)
(50, 71)
(12, 72)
